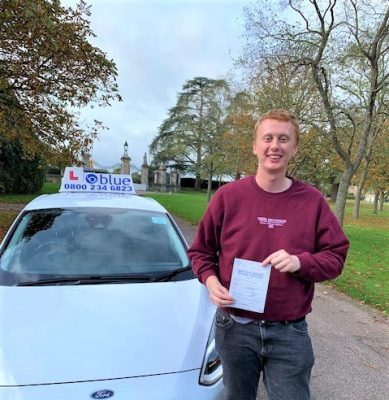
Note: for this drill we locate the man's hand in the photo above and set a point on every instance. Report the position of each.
(283, 261)
(217, 293)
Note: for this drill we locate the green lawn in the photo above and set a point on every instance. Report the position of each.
(47, 188)
(187, 205)
(366, 273)
(6, 217)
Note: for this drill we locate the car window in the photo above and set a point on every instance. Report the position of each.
(91, 241)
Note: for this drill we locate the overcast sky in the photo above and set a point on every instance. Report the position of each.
(158, 45)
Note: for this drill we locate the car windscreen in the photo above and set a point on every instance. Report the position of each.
(91, 242)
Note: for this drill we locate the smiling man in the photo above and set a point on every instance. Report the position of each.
(272, 219)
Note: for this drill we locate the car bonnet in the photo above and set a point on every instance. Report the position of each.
(56, 334)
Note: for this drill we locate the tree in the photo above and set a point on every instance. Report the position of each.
(19, 172)
(377, 155)
(316, 162)
(214, 155)
(344, 46)
(189, 139)
(238, 136)
(48, 69)
(378, 174)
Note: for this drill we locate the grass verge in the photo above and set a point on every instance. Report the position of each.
(48, 188)
(366, 274)
(6, 217)
(189, 206)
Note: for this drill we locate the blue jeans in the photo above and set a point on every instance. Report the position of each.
(282, 351)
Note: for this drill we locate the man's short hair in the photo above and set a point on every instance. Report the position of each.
(279, 115)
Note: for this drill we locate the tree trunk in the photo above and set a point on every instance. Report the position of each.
(357, 201)
(382, 199)
(334, 191)
(197, 182)
(209, 188)
(342, 194)
(358, 194)
(198, 170)
(376, 196)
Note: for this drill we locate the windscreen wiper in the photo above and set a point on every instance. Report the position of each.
(89, 280)
(166, 276)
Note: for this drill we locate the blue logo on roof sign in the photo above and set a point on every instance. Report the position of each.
(91, 178)
(102, 394)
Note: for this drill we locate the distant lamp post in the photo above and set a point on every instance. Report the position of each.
(125, 148)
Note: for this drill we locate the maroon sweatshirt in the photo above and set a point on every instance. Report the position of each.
(244, 221)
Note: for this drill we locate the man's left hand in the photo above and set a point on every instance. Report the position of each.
(283, 261)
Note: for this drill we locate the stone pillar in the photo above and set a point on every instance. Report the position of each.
(162, 177)
(125, 167)
(87, 161)
(145, 173)
(173, 180)
(156, 177)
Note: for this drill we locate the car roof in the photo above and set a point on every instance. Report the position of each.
(92, 200)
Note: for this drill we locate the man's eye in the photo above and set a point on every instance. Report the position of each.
(267, 139)
(283, 139)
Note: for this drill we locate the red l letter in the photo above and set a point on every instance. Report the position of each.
(72, 177)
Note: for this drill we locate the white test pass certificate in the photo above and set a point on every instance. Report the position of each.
(249, 284)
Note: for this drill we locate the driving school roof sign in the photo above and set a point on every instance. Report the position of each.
(75, 179)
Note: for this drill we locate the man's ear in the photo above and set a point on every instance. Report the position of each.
(254, 150)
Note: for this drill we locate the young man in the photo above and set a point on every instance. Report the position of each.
(273, 219)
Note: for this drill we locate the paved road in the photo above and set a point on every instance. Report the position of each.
(351, 343)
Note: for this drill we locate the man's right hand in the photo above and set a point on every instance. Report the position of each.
(218, 294)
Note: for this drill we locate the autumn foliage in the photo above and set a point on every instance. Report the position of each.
(48, 69)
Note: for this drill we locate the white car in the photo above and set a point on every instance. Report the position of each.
(97, 300)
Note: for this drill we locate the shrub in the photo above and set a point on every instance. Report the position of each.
(19, 172)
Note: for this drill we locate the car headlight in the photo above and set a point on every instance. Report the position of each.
(211, 369)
